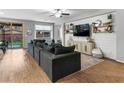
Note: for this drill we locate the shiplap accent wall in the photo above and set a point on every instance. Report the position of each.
(105, 41)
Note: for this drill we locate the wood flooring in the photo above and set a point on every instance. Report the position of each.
(18, 66)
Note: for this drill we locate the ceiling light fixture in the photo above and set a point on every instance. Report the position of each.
(59, 13)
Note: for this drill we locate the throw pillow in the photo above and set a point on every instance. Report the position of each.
(51, 48)
(35, 41)
(62, 50)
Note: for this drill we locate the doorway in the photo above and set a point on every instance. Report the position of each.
(12, 33)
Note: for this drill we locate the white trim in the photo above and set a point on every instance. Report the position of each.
(121, 61)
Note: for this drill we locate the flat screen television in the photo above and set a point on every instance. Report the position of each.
(81, 30)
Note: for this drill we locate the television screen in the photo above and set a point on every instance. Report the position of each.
(82, 30)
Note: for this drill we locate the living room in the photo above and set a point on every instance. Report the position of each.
(61, 45)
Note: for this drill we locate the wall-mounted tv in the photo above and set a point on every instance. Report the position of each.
(82, 30)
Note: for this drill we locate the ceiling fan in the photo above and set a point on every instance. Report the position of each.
(59, 13)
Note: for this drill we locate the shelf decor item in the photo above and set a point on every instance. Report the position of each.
(71, 27)
(67, 28)
(103, 27)
(110, 16)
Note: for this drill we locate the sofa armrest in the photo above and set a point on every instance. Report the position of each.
(66, 64)
(31, 49)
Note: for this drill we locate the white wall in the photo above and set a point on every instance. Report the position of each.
(105, 41)
(62, 38)
(57, 32)
(120, 35)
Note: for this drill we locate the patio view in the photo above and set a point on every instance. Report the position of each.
(11, 32)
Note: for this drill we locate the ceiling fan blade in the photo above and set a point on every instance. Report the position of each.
(65, 14)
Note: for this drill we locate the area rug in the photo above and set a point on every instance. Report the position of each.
(89, 61)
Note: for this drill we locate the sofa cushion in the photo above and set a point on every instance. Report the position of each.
(38, 44)
(51, 48)
(57, 45)
(62, 50)
(35, 41)
(31, 42)
(44, 46)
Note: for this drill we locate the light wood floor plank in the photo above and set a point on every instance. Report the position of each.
(19, 66)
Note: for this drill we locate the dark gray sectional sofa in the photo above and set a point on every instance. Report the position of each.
(31, 49)
(56, 66)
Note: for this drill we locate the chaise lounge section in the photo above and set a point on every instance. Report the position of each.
(57, 66)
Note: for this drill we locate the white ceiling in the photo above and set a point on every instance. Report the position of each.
(44, 14)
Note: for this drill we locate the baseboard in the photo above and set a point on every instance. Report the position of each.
(121, 61)
(109, 58)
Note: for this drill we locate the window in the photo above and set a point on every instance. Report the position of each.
(43, 31)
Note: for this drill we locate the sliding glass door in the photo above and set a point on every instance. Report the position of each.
(17, 40)
(6, 33)
(12, 32)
